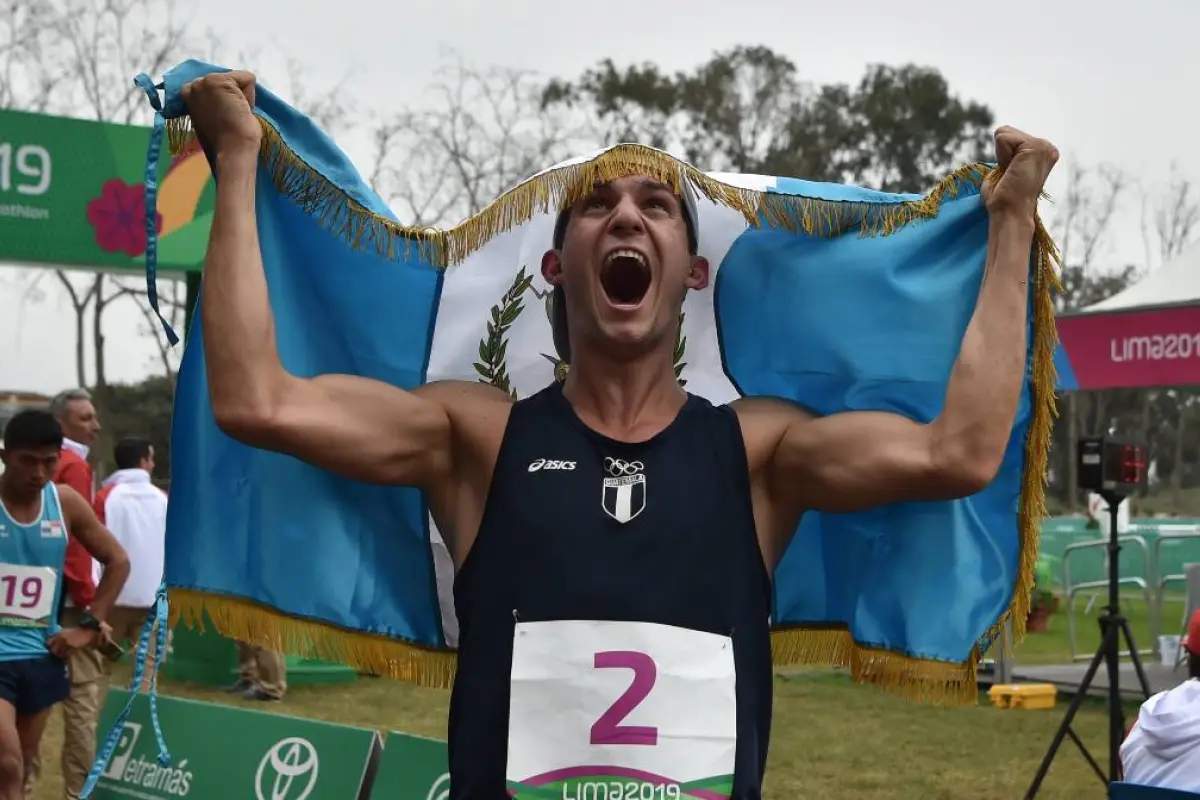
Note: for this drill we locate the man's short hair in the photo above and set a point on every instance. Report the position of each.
(558, 297)
(130, 452)
(62, 401)
(32, 429)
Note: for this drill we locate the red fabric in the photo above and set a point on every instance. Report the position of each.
(1191, 642)
(77, 567)
(101, 500)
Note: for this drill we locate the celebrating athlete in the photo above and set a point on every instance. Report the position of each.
(34, 523)
(566, 597)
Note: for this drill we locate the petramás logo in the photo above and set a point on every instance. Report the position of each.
(145, 773)
(288, 771)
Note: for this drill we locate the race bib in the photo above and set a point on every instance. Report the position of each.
(27, 595)
(622, 711)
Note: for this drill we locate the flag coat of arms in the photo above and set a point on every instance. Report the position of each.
(834, 297)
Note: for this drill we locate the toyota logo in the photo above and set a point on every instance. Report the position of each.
(291, 760)
(616, 467)
(440, 790)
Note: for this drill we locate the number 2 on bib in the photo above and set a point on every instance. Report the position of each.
(608, 728)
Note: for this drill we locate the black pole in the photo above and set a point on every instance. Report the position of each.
(192, 295)
(1112, 627)
(1116, 712)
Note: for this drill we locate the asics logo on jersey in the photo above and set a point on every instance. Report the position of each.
(618, 468)
(542, 463)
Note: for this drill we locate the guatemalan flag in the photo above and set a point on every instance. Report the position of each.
(836, 297)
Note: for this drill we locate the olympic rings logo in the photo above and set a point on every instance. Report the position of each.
(616, 467)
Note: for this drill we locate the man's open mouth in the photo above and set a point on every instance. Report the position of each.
(625, 277)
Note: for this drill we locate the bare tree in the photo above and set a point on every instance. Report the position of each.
(77, 58)
(484, 132)
(1085, 214)
(172, 306)
(1168, 224)
(331, 107)
(1081, 227)
(81, 300)
(26, 28)
(1172, 217)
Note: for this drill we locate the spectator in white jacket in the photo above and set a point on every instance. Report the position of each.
(135, 510)
(1163, 746)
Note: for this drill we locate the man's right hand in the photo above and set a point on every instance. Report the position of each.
(220, 105)
(68, 640)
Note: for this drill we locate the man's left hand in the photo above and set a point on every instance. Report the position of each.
(68, 640)
(1027, 162)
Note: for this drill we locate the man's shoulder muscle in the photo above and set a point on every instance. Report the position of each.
(476, 410)
(764, 421)
(478, 415)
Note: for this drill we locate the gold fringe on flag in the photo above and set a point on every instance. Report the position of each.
(821, 644)
(248, 621)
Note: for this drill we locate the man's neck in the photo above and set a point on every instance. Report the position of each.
(625, 400)
(16, 499)
(75, 447)
(129, 475)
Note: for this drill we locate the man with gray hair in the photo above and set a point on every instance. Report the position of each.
(76, 414)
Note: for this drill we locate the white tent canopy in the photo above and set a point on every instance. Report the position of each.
(1174, 283)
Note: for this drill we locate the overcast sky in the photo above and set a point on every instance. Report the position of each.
(1108, 82)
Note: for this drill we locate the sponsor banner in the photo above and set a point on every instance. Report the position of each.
(223, 752)
(1129, 349)
(72, 195)
(412, 768)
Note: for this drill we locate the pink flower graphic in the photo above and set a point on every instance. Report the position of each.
(118, 216)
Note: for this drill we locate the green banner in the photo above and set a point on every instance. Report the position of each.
(72, 195)
(412, 768)
(226, 753)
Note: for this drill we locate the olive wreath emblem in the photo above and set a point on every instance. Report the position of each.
(492, 366)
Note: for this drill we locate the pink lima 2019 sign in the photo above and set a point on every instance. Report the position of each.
(1125, 349)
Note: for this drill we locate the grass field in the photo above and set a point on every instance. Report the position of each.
(831, 740)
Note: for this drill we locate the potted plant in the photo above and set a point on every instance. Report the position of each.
(1043, 602)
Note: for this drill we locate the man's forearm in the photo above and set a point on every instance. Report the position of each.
(239, 332)
(112, 581)
(985, 385)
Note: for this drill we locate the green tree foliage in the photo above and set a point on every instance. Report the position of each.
(137, 409)
(900, 128)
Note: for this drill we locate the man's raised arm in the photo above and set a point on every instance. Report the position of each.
(856, 460)
(360, 428)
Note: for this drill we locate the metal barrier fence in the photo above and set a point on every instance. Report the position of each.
(1154, 555)
(1071, 588)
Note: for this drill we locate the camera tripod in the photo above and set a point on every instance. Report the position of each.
(1113, 625)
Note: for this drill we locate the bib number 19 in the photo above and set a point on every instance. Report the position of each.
(26, 595)
(608, 728)
(21, 593)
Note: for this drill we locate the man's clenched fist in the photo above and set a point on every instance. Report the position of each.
(1027, 162)
(220, 105)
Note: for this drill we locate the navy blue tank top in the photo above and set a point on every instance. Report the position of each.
(556, 542)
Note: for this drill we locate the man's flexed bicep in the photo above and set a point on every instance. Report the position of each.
(361, 428)
(847, 462)
(357, 427)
